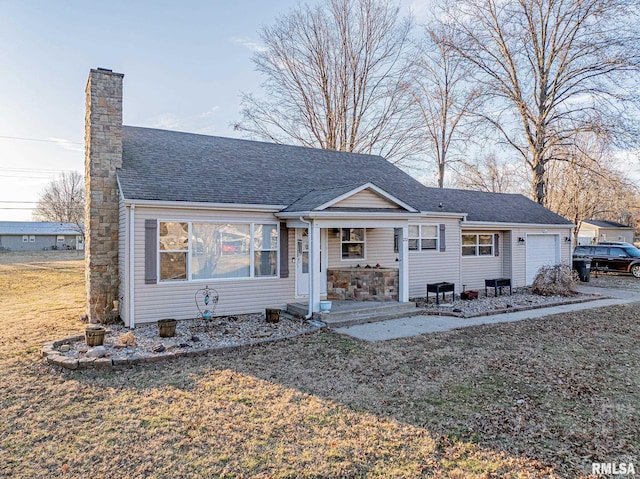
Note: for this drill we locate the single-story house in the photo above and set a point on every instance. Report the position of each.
(39, 235)
(594, 231)
(268, 224)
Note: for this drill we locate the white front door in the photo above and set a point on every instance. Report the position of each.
(302, 262)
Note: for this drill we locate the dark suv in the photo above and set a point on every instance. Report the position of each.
(611, 257)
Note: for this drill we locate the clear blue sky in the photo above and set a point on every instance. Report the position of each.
(185, 63)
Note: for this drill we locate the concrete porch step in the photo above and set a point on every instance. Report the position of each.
(348, 313)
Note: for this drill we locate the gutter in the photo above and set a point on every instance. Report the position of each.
(311, 266)
(201, 205)
(132, 321)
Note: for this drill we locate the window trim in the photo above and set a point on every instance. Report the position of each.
(363, 242)
(477, 245)
(420, 238)
(189, 251)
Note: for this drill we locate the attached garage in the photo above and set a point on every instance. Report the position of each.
(542, 250)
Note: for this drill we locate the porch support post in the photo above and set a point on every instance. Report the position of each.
(314, 267)
(403, 260)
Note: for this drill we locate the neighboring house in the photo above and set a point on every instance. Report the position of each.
(267, 224)
(38, 236)
(594, 231)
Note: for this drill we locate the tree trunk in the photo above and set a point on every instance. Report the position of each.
(538, 180)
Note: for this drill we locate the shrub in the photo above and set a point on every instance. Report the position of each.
(557, 280)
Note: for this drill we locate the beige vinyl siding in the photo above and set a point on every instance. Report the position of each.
(176, 299)
(614, 234)
(365, 199)
(378, 250)
(506, 251)
(123, 251)
(475, 269)
(519, 255)
(436, 266)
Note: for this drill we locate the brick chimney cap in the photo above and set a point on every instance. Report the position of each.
(100, 69)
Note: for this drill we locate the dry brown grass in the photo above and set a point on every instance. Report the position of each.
(530, 399)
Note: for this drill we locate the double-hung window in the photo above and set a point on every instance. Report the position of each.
(352, 243)
(477, 245)
(60, 239)
(423, 237)
(174, 248)
(25, 238)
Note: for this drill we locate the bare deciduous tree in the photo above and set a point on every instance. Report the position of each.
(489, 174)
(444, 97)
(587, 184)
(336, 77)
(554, 68)
(63, 201)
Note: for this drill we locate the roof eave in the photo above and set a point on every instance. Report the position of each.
(494, 224)
(203, 205)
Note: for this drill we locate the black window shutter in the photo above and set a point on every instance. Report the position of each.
(443, 244)
(496, 245)
(150, 251)
(284, 251)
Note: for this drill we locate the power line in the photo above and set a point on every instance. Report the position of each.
(41, 140)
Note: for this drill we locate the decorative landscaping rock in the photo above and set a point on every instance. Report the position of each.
(97, 352)
(193, 337)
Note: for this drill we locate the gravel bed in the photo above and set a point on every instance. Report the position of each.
(191, 335)
(522, 298)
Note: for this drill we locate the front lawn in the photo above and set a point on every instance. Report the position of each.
(538, 398)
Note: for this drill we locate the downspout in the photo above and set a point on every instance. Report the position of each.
(311, 265)
(132, 209)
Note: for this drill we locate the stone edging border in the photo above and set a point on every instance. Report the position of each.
(56, 358)
(515, 310)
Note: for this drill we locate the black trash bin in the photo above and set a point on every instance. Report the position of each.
(583, 267)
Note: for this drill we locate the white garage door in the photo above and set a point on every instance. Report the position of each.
(542, 250)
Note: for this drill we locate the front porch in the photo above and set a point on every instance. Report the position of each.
(348, 313)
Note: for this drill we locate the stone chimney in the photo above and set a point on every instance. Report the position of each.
(103, 155)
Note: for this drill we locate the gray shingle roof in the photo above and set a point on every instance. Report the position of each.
(607, 224)
(37, 228)
(174, 166)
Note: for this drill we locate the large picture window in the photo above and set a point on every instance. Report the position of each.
(352, 243)
(423, 237)
(217, 250)
(220, 251)
(477, 245)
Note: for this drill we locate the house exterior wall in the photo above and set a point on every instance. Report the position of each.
(436, 266)
(378, 250)
(588, 231)
(42, 242)
(518, 279)
(475, 269)
(614, 234)
(175, 299)
(365, 199)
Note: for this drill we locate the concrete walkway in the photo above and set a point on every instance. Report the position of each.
(416, 325)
